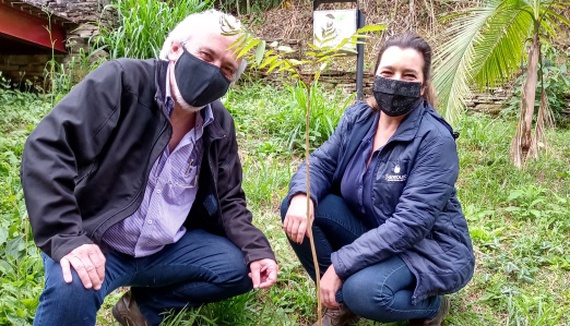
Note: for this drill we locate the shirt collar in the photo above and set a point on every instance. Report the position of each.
(168, 100)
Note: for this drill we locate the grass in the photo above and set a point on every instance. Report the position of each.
(139, 30)
(519, 220)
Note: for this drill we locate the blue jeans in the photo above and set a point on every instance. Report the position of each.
(198, 269)
(381, 292)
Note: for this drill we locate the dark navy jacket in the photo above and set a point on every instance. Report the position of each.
(414, 199)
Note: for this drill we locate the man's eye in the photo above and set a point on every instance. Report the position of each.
(206, 56)
(229, 72)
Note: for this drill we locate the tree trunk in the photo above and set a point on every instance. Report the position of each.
(544, 120)
(523, 138)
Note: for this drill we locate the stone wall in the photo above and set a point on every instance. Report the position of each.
(22, 69)
(84, 13)
(492, 101)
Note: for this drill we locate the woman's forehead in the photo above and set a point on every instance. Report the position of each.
(396, 56)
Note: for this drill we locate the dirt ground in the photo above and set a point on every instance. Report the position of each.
(292, 24)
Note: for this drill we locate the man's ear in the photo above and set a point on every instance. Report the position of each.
(175, 52)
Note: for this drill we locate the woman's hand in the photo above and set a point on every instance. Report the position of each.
(296, 223)
(329, 286)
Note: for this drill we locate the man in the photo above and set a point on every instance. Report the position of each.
(134, 180)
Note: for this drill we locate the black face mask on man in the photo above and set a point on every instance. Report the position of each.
(198, 81)
(396, 97)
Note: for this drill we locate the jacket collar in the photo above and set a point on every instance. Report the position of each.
(215, 130)
(160, 81)
(409, 127)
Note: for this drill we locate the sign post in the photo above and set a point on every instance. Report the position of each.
(346, 22)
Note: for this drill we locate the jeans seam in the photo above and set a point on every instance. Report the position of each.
(390, 307)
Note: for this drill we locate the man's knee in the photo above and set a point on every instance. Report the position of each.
(74, 293)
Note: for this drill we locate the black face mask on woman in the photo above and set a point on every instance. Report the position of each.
(396, 97)
(199, 82)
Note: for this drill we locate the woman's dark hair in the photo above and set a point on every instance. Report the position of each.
(409, 40)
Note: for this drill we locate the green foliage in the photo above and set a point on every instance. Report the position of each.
(21, 272)
(485, 46)
(324, 116)
(280, 113)
(519, 221)
(554, 78)
(307, 70)
(63, 76)
(144, 25)
(533, 311)
(246, 309)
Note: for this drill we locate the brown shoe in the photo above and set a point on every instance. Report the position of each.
(438, 319)
(127, 313)
(339, 317)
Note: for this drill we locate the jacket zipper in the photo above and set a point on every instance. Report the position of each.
(138, 194)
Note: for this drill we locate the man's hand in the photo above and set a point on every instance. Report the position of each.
(263, 273)
(296, 223)
(330, 284)
(89, 263)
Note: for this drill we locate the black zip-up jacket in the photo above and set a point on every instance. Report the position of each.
(86, 165)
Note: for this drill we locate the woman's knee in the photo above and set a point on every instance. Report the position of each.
(368, 297)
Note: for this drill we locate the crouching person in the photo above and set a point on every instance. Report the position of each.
(134, 180)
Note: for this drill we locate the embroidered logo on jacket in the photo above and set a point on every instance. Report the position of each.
(396, 177)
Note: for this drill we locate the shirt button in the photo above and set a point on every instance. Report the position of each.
(158, 191)
(149, 222)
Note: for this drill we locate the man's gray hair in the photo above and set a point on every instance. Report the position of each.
(211, 20)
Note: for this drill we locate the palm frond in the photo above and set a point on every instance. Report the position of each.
(452, 64)
(499, 51)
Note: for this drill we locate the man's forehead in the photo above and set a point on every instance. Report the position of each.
(221, 45)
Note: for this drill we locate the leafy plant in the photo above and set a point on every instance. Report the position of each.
(316, 60)
(21, 272)
(324, 116)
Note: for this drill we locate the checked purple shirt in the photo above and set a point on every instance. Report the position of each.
(169, 195)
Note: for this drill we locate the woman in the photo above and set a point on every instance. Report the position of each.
(390, 235)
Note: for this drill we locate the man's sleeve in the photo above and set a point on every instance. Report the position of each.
(66, 140)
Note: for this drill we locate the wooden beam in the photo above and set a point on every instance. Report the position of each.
(21, 25)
